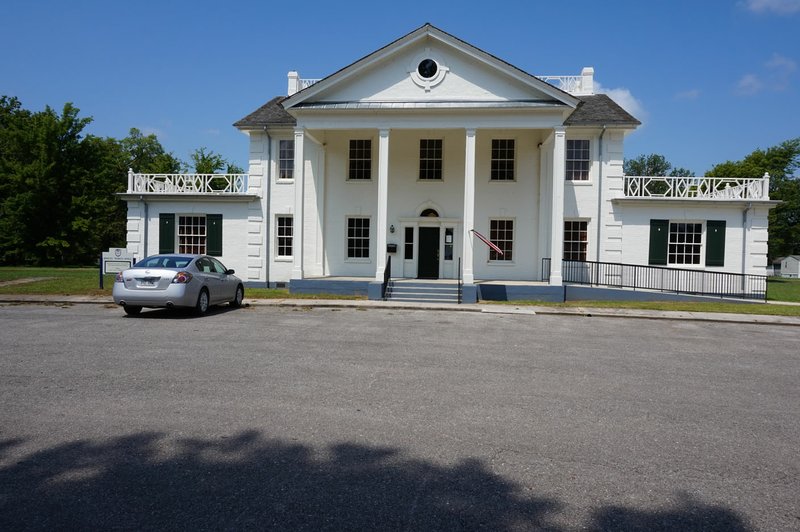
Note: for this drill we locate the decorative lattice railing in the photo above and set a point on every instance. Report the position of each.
(709, 188)
(187, 183)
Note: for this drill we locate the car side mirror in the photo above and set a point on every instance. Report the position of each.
(229, 272)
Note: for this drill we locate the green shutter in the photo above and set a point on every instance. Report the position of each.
(659, 236)
(715, 243)
(214, 234)
(166, 233)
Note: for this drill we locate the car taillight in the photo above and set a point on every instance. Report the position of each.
(182, 277)
(118, 279)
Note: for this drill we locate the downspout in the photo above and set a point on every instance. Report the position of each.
(745, 235)
(600, 191)
(266, 209)
(146, 224)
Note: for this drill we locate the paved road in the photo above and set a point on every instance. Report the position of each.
(312, 419)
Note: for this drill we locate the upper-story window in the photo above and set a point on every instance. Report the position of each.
(578, 161)
(360, 159)
(286, 159)
(430, 159)
(502, 160)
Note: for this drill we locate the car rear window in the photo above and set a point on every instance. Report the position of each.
(163, 262)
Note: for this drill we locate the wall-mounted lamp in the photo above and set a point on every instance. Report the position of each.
(391, 229)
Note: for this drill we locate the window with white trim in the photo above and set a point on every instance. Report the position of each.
(357, 237)
(360, 166)
(502, 160)
(501, 234)
(685, 243)
(284, 232)
(578, 160)
(192, 234)
(286, 159)
(430, 159)
(576, 239)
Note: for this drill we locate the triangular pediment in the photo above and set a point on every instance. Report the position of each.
(429, 66)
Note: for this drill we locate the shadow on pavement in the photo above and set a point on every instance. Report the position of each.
(146, 481)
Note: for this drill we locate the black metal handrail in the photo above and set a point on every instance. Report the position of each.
(460, 281)
(387, 273)
(545, 269)
(661, 278)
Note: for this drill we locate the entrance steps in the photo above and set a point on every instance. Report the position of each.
(421, 291)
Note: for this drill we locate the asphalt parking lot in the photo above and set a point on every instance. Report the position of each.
(332, 419)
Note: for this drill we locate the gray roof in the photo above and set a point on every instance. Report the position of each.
(600, 110)
(596, 110)
(509, 104)
(271, 113)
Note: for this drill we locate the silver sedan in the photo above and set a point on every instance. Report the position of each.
(168, 281)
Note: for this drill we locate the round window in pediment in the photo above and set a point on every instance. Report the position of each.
(427, 68)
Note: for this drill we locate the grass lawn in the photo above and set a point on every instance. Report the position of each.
(84, 281)
(57, 281)
(782, 289)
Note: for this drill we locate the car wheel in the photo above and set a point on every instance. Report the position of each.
(239, 297)
(132, 310)
(202, 302)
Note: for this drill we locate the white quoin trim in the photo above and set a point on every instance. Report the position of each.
(383, 202)
(469, 207)
(297, 219)
(557, 228)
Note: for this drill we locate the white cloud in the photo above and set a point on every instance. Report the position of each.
(777, 76)
(781, 7)
(691, 94)
(625, 99)
(749, 85)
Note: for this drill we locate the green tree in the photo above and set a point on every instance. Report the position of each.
(782, 162)
(653, 165)
(41, 152)
(146, 155)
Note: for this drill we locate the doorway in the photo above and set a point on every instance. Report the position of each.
(428, 261)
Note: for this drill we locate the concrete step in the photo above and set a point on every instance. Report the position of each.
(422, 292)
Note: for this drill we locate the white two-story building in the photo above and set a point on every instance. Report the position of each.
(414, 155)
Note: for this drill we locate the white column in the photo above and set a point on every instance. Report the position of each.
(383, 202)
(557, 227)
(299, 197)
(469, 208)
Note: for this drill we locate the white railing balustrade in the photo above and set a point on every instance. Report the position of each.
(709, 188)
(304, 83)
(187, 183)
(570, 84)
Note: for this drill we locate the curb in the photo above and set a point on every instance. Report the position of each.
(586, 312)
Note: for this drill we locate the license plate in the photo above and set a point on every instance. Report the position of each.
(147, 283)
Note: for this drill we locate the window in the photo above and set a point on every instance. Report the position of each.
(358, 238)
(409, 244)
(578, 161)
(501, 234)
(430, 159)
(286, 159)
(194, 234)
(685, 242)
(576, 240)
(502, 160)
(284, 232)
(360, 160)
(448, 243)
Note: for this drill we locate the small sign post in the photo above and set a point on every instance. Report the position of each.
(114, 260)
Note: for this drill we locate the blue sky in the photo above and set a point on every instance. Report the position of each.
(711, 80)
